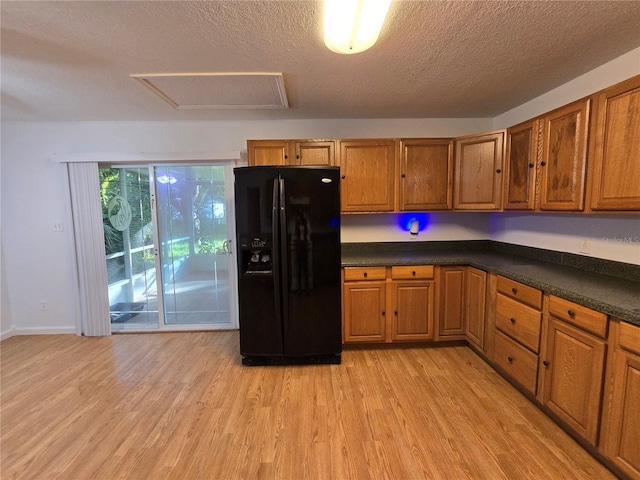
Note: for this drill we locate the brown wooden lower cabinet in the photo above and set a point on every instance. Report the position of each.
(474, 309)
(389, 304)
(521, 364)
(364, 305)
(413, 305)
(573, 366)
(620, 439)
(451, 318)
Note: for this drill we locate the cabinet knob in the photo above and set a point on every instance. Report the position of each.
(395, 313)
(513, 320)
(365, 274)
(545, 363)
(383, 313)
(286, 156)
(531, 165)
(297, 157)
(510, 359)
(571, 313)
(413, 273)
(498, 171)
(543, 164)
(514, 290)
(403, 175)
(344, 176)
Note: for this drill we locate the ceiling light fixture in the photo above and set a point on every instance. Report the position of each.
(352, 26)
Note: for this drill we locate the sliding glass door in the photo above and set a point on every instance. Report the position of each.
(169, 254)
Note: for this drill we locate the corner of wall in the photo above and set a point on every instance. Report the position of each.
(617, 70)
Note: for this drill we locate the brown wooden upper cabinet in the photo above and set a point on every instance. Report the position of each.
(562, 168)
(367, 169)
(291, 152)
(267, 152)
(615, 148)
(426, 174)
(478, 171)
(521, 166)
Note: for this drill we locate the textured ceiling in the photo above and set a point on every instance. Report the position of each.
(73, 60)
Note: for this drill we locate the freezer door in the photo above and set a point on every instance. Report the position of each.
(311, 258)
(256, 198)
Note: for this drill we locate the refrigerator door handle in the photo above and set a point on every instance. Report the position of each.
(275, 249)
(284, 257)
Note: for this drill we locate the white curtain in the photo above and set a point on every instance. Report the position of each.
(90, 251)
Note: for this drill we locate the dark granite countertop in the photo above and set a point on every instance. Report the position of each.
(617, 296)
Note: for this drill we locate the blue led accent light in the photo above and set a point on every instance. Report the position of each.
(404, 220)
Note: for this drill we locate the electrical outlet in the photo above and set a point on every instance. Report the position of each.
(58, 226)
(585, 245)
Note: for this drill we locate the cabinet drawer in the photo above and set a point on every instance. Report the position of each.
(583, 317)
(629, 337)
(415, 271)
(524, 293)
(517, 361)
(520, 322)
(364, 273)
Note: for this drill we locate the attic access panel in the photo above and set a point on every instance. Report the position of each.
(193, 91)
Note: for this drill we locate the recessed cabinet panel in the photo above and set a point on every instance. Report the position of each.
(413, 310)
(426, 174)
(315, 153)
(475, 291)
(564, 157)
(616, 154)
(521, 166)
(621, 439)
(451, 301)
(364, 311)
(267, 152)
(368, 175)
(574, 366)
(478, 172)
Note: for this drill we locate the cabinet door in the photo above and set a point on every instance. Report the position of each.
(574, 365)
(563, 158)
(522, 147)
(267, 152)
(622, 441)
(364, 311)
(475, 292)
(451, 301)
(413, 310)
(426, 174)
(315, 153)
(368, 175)
(616, 153)
(478, 172)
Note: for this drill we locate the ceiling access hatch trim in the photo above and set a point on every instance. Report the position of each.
(218, 91)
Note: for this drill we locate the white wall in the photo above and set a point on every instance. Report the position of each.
(435, 226)
(611, 237)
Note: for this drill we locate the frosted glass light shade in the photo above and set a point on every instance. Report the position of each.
(352, 26)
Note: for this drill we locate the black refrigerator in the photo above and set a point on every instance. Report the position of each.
(288, 248)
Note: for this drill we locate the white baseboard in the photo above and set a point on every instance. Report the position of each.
(44, 331)
(8, 334)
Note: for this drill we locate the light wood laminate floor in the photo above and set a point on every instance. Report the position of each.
(180, 406)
